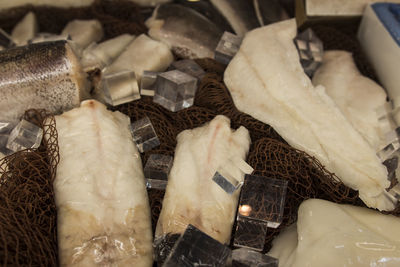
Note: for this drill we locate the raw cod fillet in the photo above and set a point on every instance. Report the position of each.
(333, 235)
(101, 198)
(42, 76)
(102, 54)
(142, 54)
(266, 81)
(357, 96)
(191, 196)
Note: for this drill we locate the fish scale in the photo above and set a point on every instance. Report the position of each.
(41, 76)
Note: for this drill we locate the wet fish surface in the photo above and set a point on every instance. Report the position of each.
(333, 235)
(357, 96)
(192, 197)
(269, 11)
(205, 8)
(267, 81)
(239, 13)
(41, 76)
(188, 33)
(103, 213)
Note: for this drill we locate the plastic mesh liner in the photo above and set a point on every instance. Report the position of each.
(28, 214)
(27, 208)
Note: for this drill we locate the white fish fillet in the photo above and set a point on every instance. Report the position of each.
(266, 81)
(142, 54)
(84, 32)
(191, 196)
(25, 30)
(102, 54)
(333, 235)
(357, 96)
(101, 198)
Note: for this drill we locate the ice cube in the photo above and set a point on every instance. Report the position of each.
(227, 47)
(249, 258)
(388, 151)
(120, 87)
(310, 49)
(156, 171)
(195, 248)
(250, 234)
(227, 183)
(190, 67)
(175, 90)
(147, 82)
(25, 135)
(262, 199)
(144, 135)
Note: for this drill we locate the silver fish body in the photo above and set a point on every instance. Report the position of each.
(188, 33)
(205, 8)
(240, 14)
(41, 76)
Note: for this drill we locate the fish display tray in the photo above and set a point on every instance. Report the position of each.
(28, 233)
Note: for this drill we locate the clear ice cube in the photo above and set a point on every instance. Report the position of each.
(227, 183)
(190, 67)
(195, 248)
(244, 257)
(263, 199)
(25, 135)
(388, 151)
(310, 49)
(250, 234)
(120, 87)
(5, 39)
(148, 82)
(175, 90)
(227, 47)
(156, 171)
(144, 135)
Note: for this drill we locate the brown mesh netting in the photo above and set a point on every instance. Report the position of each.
(28, 214)
(27, 208)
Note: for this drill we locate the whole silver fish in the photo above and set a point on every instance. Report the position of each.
(188, 33)
(239, 13)
(269, 11)
(205, 8)
(42, 76)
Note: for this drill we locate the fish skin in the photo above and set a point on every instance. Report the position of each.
(239, 13)
(333, 235)
(266, 81)
(191, 196)
(41, 76)
(357, 96)
(269, 11)
(103, 213)
(205, 8)
(188, 33)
